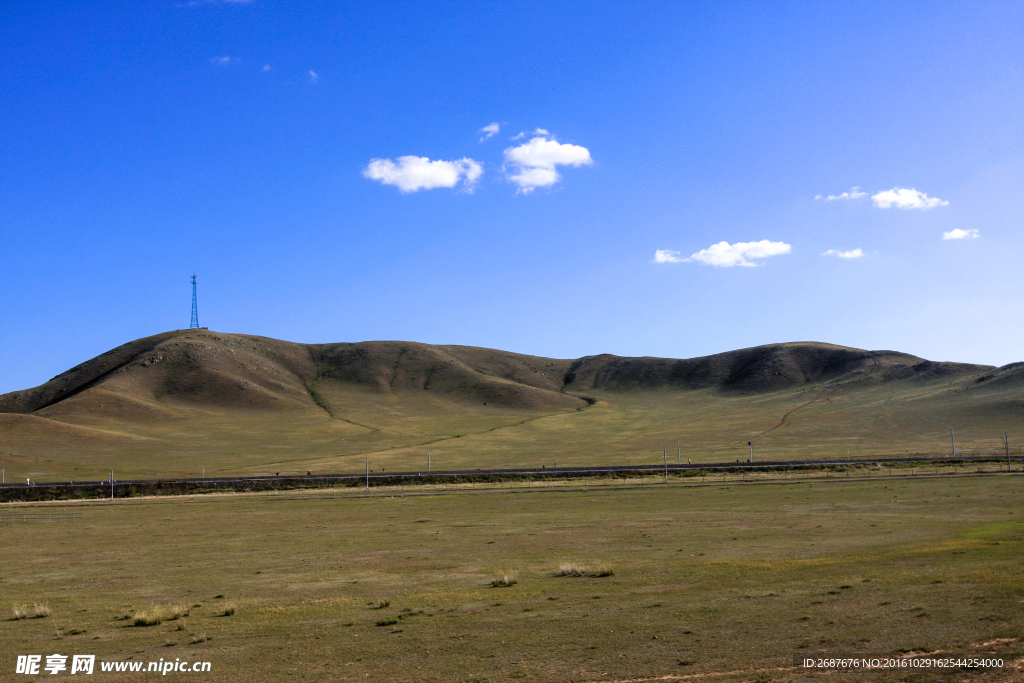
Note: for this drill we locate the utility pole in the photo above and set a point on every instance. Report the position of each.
(428, 461)
(751, 444)
(204, 473)
(1006, 440)
(111, 484)
(679, 454)
(665, 453)
(367, 474)
(4, 476)
(952, 440)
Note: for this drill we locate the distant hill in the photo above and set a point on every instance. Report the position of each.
(188, 393)
(210, 369)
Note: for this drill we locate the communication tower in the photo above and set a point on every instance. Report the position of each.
(195, 309)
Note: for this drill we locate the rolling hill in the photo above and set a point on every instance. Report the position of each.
(181, 400)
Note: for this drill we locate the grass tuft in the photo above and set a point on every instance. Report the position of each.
(201, 638)
(228, 611)
(178, 611)
(573, 569)
(381, 604)
(149, 618)
(504, 581)
(40, 611)
(20, 612)
(387, 622)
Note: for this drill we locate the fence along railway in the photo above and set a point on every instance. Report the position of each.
(130, 488)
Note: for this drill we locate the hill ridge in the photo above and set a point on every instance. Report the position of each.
(185, 399)
(278, 369)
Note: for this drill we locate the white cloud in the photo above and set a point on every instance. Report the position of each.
(313, 77)
(853, 253)
(959, 234)
(490, 130)
(412, 173)
(668, 256)
(533, 163)
(538, 131)
(855, 193)
(724, 254)
(266, 67)
(225, 60)
(902, 198)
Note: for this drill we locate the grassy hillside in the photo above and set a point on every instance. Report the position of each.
(180, 401)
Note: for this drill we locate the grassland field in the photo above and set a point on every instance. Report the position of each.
(720, 582)
(619, 429)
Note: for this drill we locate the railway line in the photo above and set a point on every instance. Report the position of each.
(127, 488)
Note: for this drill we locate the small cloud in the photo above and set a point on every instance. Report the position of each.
(313, 77)
(725, 255)
(267, 67)
(903, 198)
(855, 193)
(668, 256)
(490, 130)
(959, 234)
(225, 60)
(534, 163)
(538, 131)
(853, 253)
(412, 173)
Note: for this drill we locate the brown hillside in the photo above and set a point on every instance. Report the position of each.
(157, 376)
(756, 370)
(186, 399)
(478, 376)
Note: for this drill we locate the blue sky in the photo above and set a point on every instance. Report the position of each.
(324, 169)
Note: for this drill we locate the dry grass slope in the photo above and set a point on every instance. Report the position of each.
(174, 403)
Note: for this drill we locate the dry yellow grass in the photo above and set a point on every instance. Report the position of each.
(152, 617)
(575, 569)
(505, 580)
(721, 575)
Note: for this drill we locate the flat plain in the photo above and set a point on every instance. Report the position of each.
(724, 582)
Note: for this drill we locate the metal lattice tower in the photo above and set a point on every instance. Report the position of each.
(195, 309)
